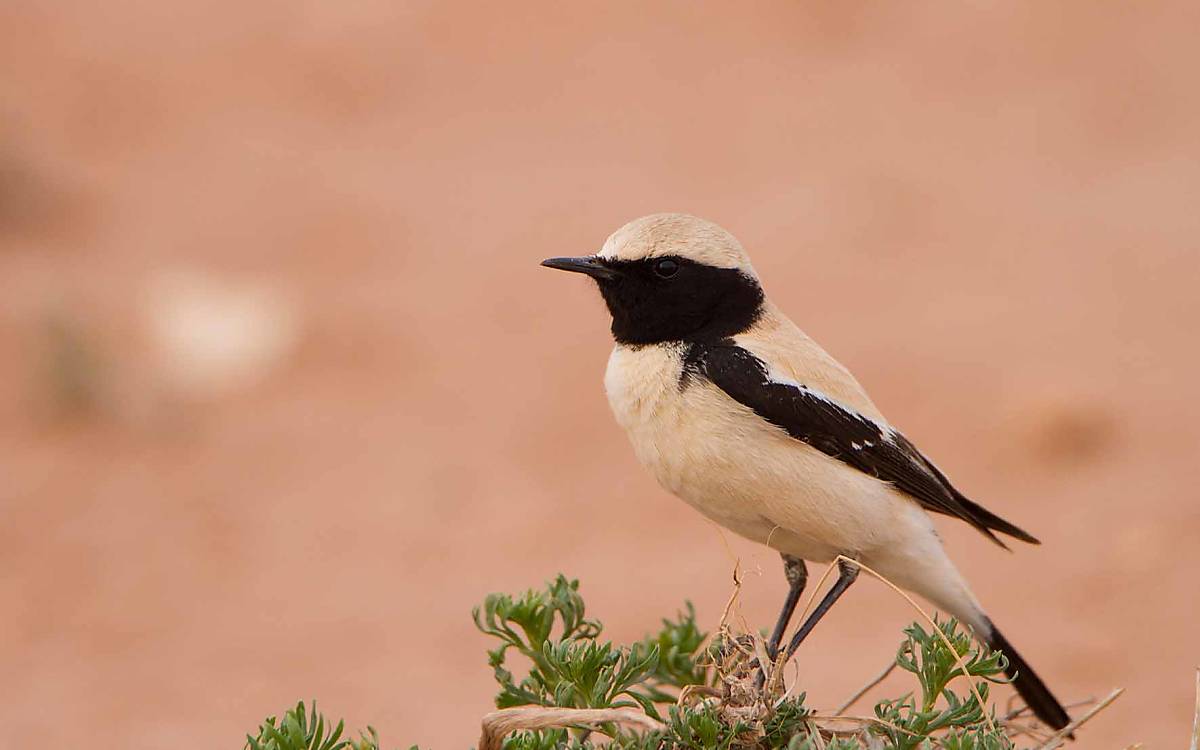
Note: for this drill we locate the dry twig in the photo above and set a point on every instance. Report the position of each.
(1196, 718)
(1014, 728)
(863, 690)
(1058, 737)
(1014, 713)
(499, 724)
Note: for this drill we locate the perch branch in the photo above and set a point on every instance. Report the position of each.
(499, 724)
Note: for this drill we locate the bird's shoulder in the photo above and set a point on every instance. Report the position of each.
(790, 354)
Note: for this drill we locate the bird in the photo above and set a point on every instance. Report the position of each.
(735, 410)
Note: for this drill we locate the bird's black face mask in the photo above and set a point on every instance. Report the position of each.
(669, 298)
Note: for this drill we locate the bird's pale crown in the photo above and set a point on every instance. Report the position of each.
(679, 235)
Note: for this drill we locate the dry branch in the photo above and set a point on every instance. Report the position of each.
(1057, 739)
(499, 724)
(1196, 718)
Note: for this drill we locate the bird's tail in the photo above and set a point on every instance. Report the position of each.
(1030, 687)
(992, 521)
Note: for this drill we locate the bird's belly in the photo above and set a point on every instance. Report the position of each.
(740, 471)
(784, 494)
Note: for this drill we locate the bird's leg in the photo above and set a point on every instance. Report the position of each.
(797, 576)
(847, 572)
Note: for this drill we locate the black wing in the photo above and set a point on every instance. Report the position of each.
(841, 433)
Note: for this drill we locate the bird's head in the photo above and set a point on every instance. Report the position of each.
(672, 277)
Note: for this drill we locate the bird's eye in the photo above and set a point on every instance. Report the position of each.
(666, 268)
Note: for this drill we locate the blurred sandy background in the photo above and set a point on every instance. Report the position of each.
(284, 392)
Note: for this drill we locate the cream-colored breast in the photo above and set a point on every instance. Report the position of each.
(737, 469)
(642, 384)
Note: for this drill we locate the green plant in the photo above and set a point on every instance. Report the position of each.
(786, 723)
(546, 739)
(934, 660)
(679, 643)
(687, 728)
(570, 667)
(703, 698)
(307, 729)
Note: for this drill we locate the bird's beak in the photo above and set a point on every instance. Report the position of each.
(589, 264)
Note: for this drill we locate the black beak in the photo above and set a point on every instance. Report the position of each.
(589, 264)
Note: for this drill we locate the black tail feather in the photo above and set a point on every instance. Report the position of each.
(995, 522)
(1030, 687)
